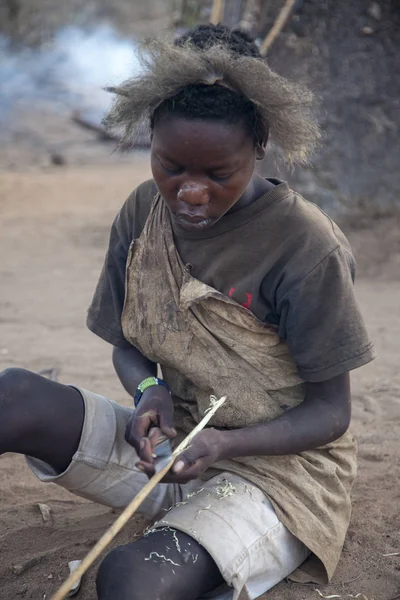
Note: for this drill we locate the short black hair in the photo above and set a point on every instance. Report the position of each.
(215, 102)
(236, 41)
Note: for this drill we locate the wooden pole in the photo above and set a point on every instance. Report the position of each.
(130, 510)
(217, 13)
(277, 26)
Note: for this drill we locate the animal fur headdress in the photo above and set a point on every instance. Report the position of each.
(286, 109)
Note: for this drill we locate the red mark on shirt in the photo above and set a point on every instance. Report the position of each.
(249, 298)
(247, 304)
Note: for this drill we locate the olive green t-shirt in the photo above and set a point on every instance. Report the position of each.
(281, 257)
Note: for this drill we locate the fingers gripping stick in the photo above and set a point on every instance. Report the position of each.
(130, 510)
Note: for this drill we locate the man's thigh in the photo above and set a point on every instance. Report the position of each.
(235, 522)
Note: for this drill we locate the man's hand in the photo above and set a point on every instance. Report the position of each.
(153, 418)
(322, 417)
(191, 463)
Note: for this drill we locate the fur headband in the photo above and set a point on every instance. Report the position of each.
(284, 107)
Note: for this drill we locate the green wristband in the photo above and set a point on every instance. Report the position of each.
(146, 384)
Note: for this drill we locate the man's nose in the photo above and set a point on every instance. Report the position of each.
(194, 193)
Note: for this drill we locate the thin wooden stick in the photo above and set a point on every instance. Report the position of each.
(127, 513)
(277, 26)
(217, 13)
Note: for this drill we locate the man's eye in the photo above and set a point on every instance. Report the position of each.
(171, 170)
(220, 177)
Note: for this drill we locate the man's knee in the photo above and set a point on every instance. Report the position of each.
(15, 383)
(39, 417)
(115, 574)
(16, 422)
(126, 575)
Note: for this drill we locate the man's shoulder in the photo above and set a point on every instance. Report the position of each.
(306, 226)
(142, 196)
(137, 207)
(302, 237)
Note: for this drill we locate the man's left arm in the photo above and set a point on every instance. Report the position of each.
(322, 417)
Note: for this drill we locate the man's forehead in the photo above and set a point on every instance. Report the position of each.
(215, 140)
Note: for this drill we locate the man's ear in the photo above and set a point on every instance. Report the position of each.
(261, 147)
(260, 151)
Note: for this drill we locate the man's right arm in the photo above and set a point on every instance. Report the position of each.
(132, 367)
(155, 410)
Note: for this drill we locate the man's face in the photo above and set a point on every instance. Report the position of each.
(201, 168)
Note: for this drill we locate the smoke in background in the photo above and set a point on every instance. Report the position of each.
(69, 73)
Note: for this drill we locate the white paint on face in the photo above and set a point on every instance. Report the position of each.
(194, 193)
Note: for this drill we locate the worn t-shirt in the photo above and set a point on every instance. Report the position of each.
(281, 257)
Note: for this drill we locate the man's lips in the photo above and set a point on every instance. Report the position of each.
(191, 218)
(194, 222)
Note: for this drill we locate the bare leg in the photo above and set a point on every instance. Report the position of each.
(39, 417)
(164, 565)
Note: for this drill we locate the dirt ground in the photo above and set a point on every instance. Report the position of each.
(54, 224)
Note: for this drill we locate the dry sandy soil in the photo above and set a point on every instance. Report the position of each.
(54, 224)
